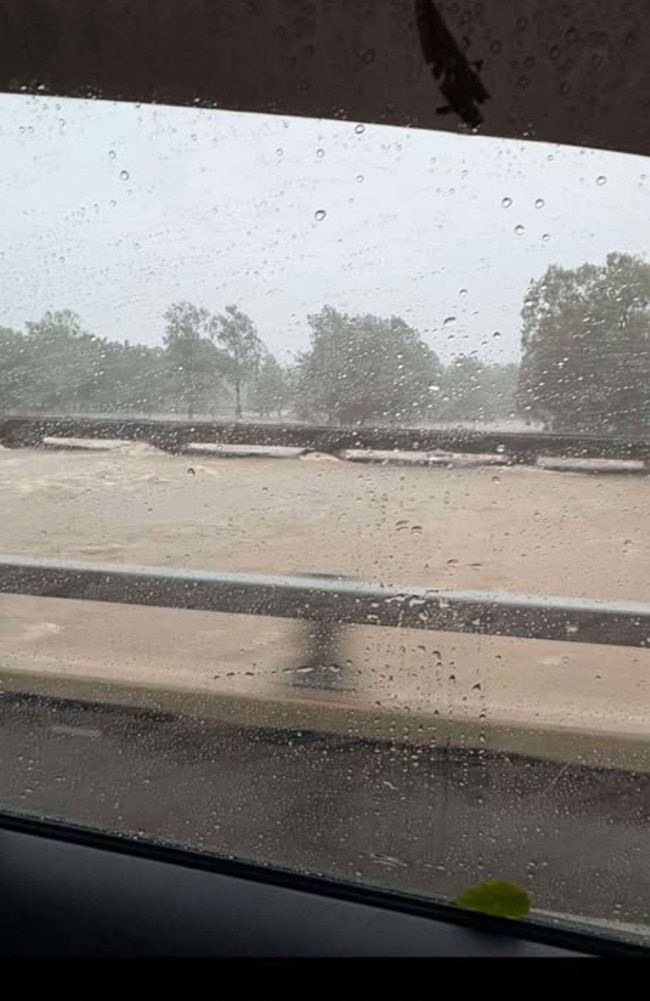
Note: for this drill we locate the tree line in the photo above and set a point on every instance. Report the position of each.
(585, 364)
(356, 369)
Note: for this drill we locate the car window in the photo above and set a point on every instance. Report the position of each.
(374, 402)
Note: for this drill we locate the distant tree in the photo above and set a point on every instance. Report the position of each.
(270, 389)
(586, 348)
(14, 370)
(242, 349)
(195, 365)
(58, 366)
(134, 377)
(473, 390)
(365, 368)
(64, 362)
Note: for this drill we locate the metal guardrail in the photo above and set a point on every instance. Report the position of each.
(174, 435)
(335, 600)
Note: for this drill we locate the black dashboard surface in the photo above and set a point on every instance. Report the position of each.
(68, 899)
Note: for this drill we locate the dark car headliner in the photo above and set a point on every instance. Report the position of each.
(551, 70)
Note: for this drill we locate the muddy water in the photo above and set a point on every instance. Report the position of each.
(513, 529)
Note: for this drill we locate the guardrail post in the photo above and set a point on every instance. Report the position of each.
(324, 667)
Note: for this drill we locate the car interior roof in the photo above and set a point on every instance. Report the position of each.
(544, 70)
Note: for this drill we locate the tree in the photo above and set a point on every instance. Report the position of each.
(14, 370)
(58, 366)
(242, 349)
(64, 362)
(586, 348)
(194, 363)
(134, 378)
(365, 368)
(270, 389)
(472, 390)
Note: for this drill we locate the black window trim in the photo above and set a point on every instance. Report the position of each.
(535, 931)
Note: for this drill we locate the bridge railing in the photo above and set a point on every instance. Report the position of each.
(175, 435)
(328, 604)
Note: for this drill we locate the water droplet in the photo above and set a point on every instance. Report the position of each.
(448, 321)
(359, 129)
(320, 152)
(111, 154)
(279, 151)
(463, 291)
(519, 229)
(546, 237)
(359, 178)
(506, 203)
(539, 203)
(124, 175)
(320, 214)
(496, 479)
(601, 180)
(496, 335)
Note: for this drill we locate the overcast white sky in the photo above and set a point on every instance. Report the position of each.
(115, 211)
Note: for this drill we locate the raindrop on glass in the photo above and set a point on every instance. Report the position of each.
(359, 129)
(320, 214)
(320, 152)
(124, 175)
(506, 203)
(111, 154)
(601, 180)
(546, 237)
(539, 203)
(448, 321)
(519, 229)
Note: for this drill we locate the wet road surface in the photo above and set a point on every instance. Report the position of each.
(424, 819)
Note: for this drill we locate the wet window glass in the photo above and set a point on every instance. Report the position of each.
(324, 480)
